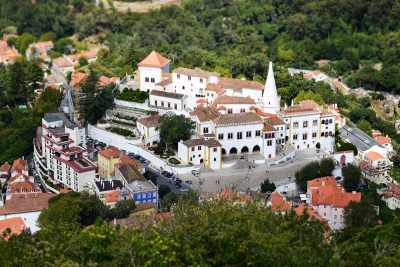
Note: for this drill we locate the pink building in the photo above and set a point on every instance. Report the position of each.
(329, 200)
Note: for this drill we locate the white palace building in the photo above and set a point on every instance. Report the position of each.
(238, 115)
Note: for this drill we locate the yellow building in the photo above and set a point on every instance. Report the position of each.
(107, 160)
(146, 208)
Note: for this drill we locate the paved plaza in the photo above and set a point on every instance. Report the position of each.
(245, 178)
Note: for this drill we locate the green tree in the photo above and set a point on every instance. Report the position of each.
(267, 186)
(360, 214)
(352, 176)
(174, 128)
(348, 146)
(365, 126)
(163, 190)
(312, 170)
(22, 42)
(122, 209)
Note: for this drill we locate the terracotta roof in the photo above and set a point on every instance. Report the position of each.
(202, 100)
(16, 225)
(21, 203)
(151, 121)
(77, 78)
(23, 187)
(333, 196)
(19, 165)
(225, 99)
(165, 82)
(275, 121)
(221, 108)
(167, 94)
(17, 176)
(201, 141)
(87, 54)
(109, 152)
(154, 59)
(238, 84)
(196, 72)
(204, 114)
(144, 206)
(372, 155)
(62, 62)
(309, 104)
(268, 128)
(213, 87)
(303, 209)
(278, 203)
(104, 80)
(338, 84)
(327, 180)
(112, 196)
(133, 162)
(383, 139)
(166, 75)
(5, 167)
(238, 118)
(232, 196)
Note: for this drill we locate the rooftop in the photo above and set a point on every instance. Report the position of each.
(16, 225)
(201, 141)
(225, 99)
(205, 114)
(62, 62)
(278, 203)
(333, 196)
(357, 137)
(19, 165)
(327, 180)
(130, 173)
(167, 94)
(372, 155)
(238, 118)
(238, 84)
(154, 59)
(26, 203)
(196, 72)
(138, 186)
(108, 185)
(151, 121)
(110, 152)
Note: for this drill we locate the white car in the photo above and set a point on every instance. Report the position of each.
(184, 189)
(196, 173)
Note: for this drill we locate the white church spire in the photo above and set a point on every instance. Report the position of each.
(270, 95)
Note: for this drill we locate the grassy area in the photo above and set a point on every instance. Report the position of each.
(133, 95)
(120, 131)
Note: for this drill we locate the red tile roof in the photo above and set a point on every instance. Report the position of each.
(383, 139)
(333, 196)
(154, 59)
(327, 180)
(238, 84)
(62, 62)
(225, 99)
(77, 78)
(151, 121)
(133, 162)
(21, 203)
(372, 155)
(16, 225)
(5, 167)
(19, 165)
(20, 176)
(278, 203)
(109, 152)
(23, 187)
(303, 209)
(112, 196)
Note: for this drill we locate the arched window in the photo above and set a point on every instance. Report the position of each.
(323, 122)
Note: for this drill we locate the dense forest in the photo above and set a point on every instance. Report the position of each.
(74, 232)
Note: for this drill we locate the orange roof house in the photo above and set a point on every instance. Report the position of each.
(383, 139)
(19, 165)
(372, 155)
(15, 225)
(154, 60)
(278, 203)
(110, 152)
(77, 78)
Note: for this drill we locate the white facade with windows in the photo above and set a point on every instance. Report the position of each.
(201, 152)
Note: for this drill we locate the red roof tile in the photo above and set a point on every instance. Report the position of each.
(16, 225)
(19, 165)
(109, 152)
(154, 59)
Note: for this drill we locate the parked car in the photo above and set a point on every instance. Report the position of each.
(178, 185)
(184, 189)
(196, 173)
(188, 182)
(166, 174)
(178, 179)
(147, 163)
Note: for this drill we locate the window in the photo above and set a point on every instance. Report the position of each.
(242, 110)
(205, 130)
(178, 76)
(155, 103)
(248, 134)
(230, 135)
(208, 94)
(201, 80)
(169, 104)
(146, 79)
(323, 121)
(295, 124)
(199, 148)
(230, 111)
(258, 133)
(305, 124)
(330, 133)
(215, 149)
(322, 134)
(295, 137)
(189, 77)
(152, 80)
(239, 135)
(315, 122)
(330, 121)
(215, 159)
(304, 136)
(269, 143)
(314, 135)
(183, 87)
(175, 106)
(220, 136)
(162, 103)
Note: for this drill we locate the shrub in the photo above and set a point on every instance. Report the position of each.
(174, 161)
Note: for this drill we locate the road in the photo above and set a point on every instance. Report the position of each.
(162, 180)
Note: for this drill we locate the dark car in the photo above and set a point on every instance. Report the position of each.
(166, 174)
(178, 185)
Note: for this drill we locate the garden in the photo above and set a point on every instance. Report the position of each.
(133, 95)
(120, 131)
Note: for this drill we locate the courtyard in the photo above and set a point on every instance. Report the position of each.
(242, 177)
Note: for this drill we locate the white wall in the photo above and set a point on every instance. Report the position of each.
(147, 72)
